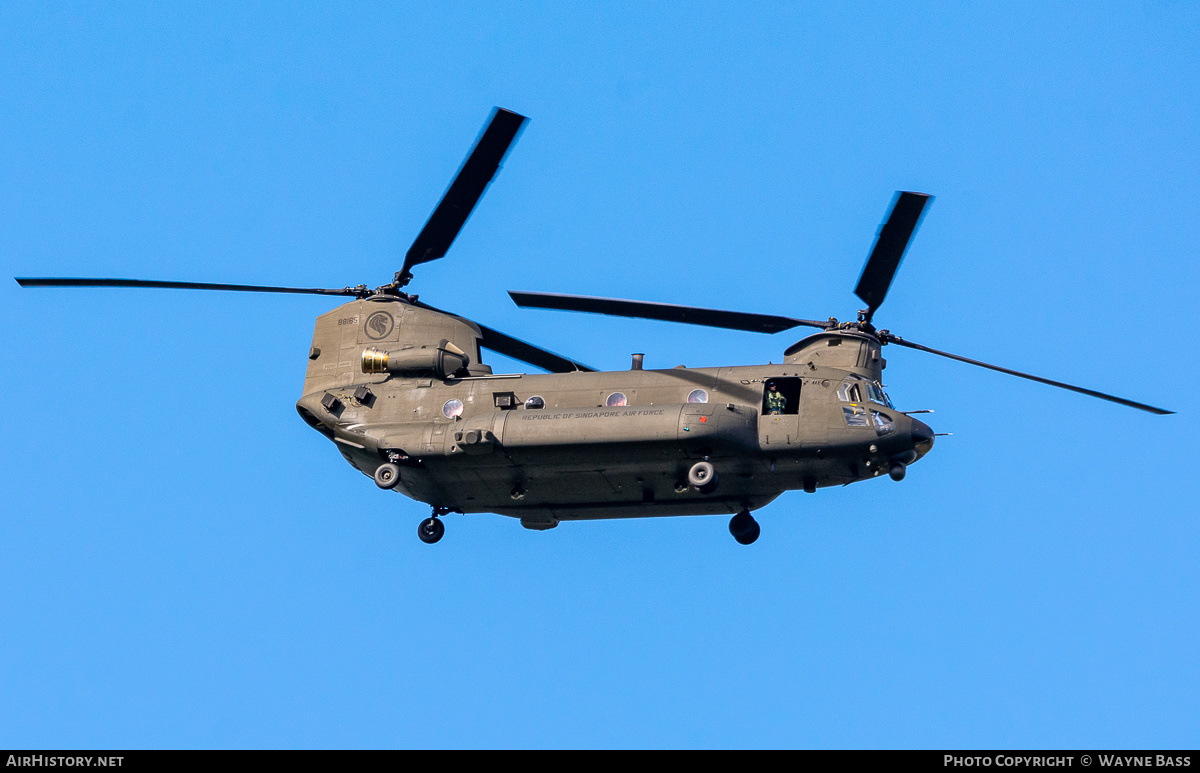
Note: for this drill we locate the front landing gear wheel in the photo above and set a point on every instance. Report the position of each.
(431, 530)
(744, 528)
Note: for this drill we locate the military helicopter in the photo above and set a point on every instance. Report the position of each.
(400, 388)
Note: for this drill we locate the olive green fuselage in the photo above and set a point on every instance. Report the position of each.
(564, 446)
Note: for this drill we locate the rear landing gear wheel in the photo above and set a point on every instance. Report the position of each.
(744, 528)
(431, 530)
(387, 476)
(703, 477)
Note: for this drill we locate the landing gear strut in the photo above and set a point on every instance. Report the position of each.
(744, 528)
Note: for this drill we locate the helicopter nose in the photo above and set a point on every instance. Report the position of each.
(922, 437)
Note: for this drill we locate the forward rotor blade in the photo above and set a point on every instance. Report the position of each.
(892, 339)
(460, 198)
(88, 282)
(890, 244)
(667, 312)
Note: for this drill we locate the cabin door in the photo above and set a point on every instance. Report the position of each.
(779, 413)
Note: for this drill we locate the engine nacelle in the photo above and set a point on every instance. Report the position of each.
(442, 360)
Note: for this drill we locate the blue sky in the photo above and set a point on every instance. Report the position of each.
(183, 563)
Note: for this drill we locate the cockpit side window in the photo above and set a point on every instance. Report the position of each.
(856, 416)
(853, 390)
(849, 392)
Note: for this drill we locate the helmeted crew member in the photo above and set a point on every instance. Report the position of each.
(775, 401)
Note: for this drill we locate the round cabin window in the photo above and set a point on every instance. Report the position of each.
(452, 409)
(616, 400)
(698, 396)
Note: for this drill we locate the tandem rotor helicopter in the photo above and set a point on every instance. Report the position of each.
(400, 388)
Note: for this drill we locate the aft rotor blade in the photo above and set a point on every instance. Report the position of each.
(527, 352)
(89, 282)
(667, 312)
(892, 339)
(460, 198)
(890, 244)
(518, 349)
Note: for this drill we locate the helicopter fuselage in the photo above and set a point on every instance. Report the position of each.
(400, 388)
(580, 445)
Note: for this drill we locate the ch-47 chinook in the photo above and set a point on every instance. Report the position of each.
(399, 387)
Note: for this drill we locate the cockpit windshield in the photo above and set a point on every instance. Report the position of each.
(877, 394)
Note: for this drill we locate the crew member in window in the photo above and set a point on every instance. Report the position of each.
(776, 402)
